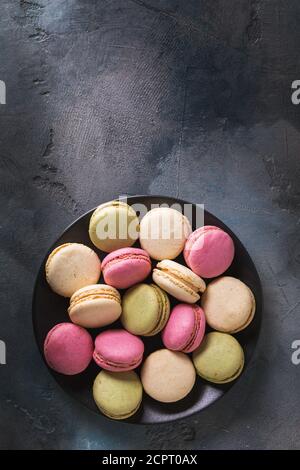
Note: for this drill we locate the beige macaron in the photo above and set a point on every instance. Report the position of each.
(71, 266)
(163, 232)
(179, 281)
(95, 306)
(168, 376)
(229, 304)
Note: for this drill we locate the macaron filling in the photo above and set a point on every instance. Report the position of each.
(126, 257)
(195, 333)
(227, 379)
(94, 297)
(99, 359)
(163, 313)
(120, 416)
(187, 281)
(93, 294)
(178, 281)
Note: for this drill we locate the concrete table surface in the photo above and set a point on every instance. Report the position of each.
(189, 99)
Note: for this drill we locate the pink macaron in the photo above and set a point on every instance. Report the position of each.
(68, 348)
(209, 251)
(185, 328)
(125, 267)
(118, 350)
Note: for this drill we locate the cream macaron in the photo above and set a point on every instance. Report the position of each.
(168, 376)
(163, 233)
(71, 266)
(179, 281)
(95, 306)
(229, 304)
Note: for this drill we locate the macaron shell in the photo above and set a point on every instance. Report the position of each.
(209, 251)
(70, 267)
(168, 376)
(185, 328)
(68, 349)
(118, 350)
(174, 286)
(219, 358)
(125, 267)
(229, 304)
(120, 219)
(118, 395)
(95, 306)
(163, 232)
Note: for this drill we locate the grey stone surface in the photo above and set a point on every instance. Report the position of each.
(190, 99)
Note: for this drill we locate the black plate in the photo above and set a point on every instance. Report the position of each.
(50, 309)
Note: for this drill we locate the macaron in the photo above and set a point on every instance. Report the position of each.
(71, 266)
(179, 281)
(185, 328)
(219, 358)
(168, 376)
(68, 349)
(118, 395)
(125, 267)
(118, 350)
(113, 225)
(229, 304)
(163, 233)
(209, 251)
(95, 306)
(145, 309)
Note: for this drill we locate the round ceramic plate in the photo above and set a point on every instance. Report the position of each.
(50, 309)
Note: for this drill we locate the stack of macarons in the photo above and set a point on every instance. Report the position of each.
(147, 292)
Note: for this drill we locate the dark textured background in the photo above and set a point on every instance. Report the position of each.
(183, 98)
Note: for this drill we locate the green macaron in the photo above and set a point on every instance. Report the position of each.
(118, 395)
(145, 309)
(113, 225)
(219, 358)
